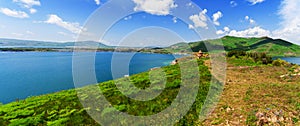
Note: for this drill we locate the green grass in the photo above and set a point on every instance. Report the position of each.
(274, 47)
(64, 108)
(243, 62)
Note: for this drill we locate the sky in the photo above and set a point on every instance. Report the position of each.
(158, 22)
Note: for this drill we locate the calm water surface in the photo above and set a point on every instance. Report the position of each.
(295, 60)
(24, 74)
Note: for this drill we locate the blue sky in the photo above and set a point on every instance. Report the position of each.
(62, 20)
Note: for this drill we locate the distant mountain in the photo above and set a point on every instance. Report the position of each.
(274, 47)
(11, 43)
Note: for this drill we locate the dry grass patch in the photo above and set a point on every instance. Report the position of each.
(258, 96)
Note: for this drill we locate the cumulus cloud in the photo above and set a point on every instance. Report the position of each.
(155, 7)
(199, 20)
(216, 17)
(224, 31)
(14, 13)
(97, 2)
(253, 2)
(233, 4)
(72, 27)
(251, 32)
(29, 4)
(290, 26)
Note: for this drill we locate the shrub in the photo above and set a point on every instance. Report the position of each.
(279, 62)
(261, 58)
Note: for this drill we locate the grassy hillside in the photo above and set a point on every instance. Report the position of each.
(64, 108)
(274, 47)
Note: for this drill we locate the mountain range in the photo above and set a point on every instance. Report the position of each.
(274, 47)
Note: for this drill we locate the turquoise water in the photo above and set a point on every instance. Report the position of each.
(24, 74)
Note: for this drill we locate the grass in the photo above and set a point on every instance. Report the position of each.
(249, 90)
(64, 108)
(274, 47)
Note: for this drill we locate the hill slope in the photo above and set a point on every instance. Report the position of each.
(64, 108)
(44, 44)
(274, 47)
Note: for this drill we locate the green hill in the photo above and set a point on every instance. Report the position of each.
(274, 47)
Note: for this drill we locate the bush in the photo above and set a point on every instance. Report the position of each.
(261, 58)
(279, 62)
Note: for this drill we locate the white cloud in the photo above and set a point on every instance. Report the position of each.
(29, 4)
(72, 27)
(226, 29)
(253, 2)
(251, 21)
(174, 19)
(97, 2)
(199, 20)
(32, 11)
(155, 7)
(14, 13)
(247, 18)
(216, 17)
(191, 26)
(233, 4)
(251, 32)
(221, 32)
(290, 26)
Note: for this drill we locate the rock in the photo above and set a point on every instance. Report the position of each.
(282, 76)
(228, 109)
(277, 113)
(235, 123)
(281, 119)
(259, 115)
(274, 119)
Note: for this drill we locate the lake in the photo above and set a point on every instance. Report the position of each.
(25, 74)
(295, 60)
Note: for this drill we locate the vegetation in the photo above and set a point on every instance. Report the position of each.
(274, 47)
(26, 49)
(64, 108)
(258, 94)
(255, 57)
